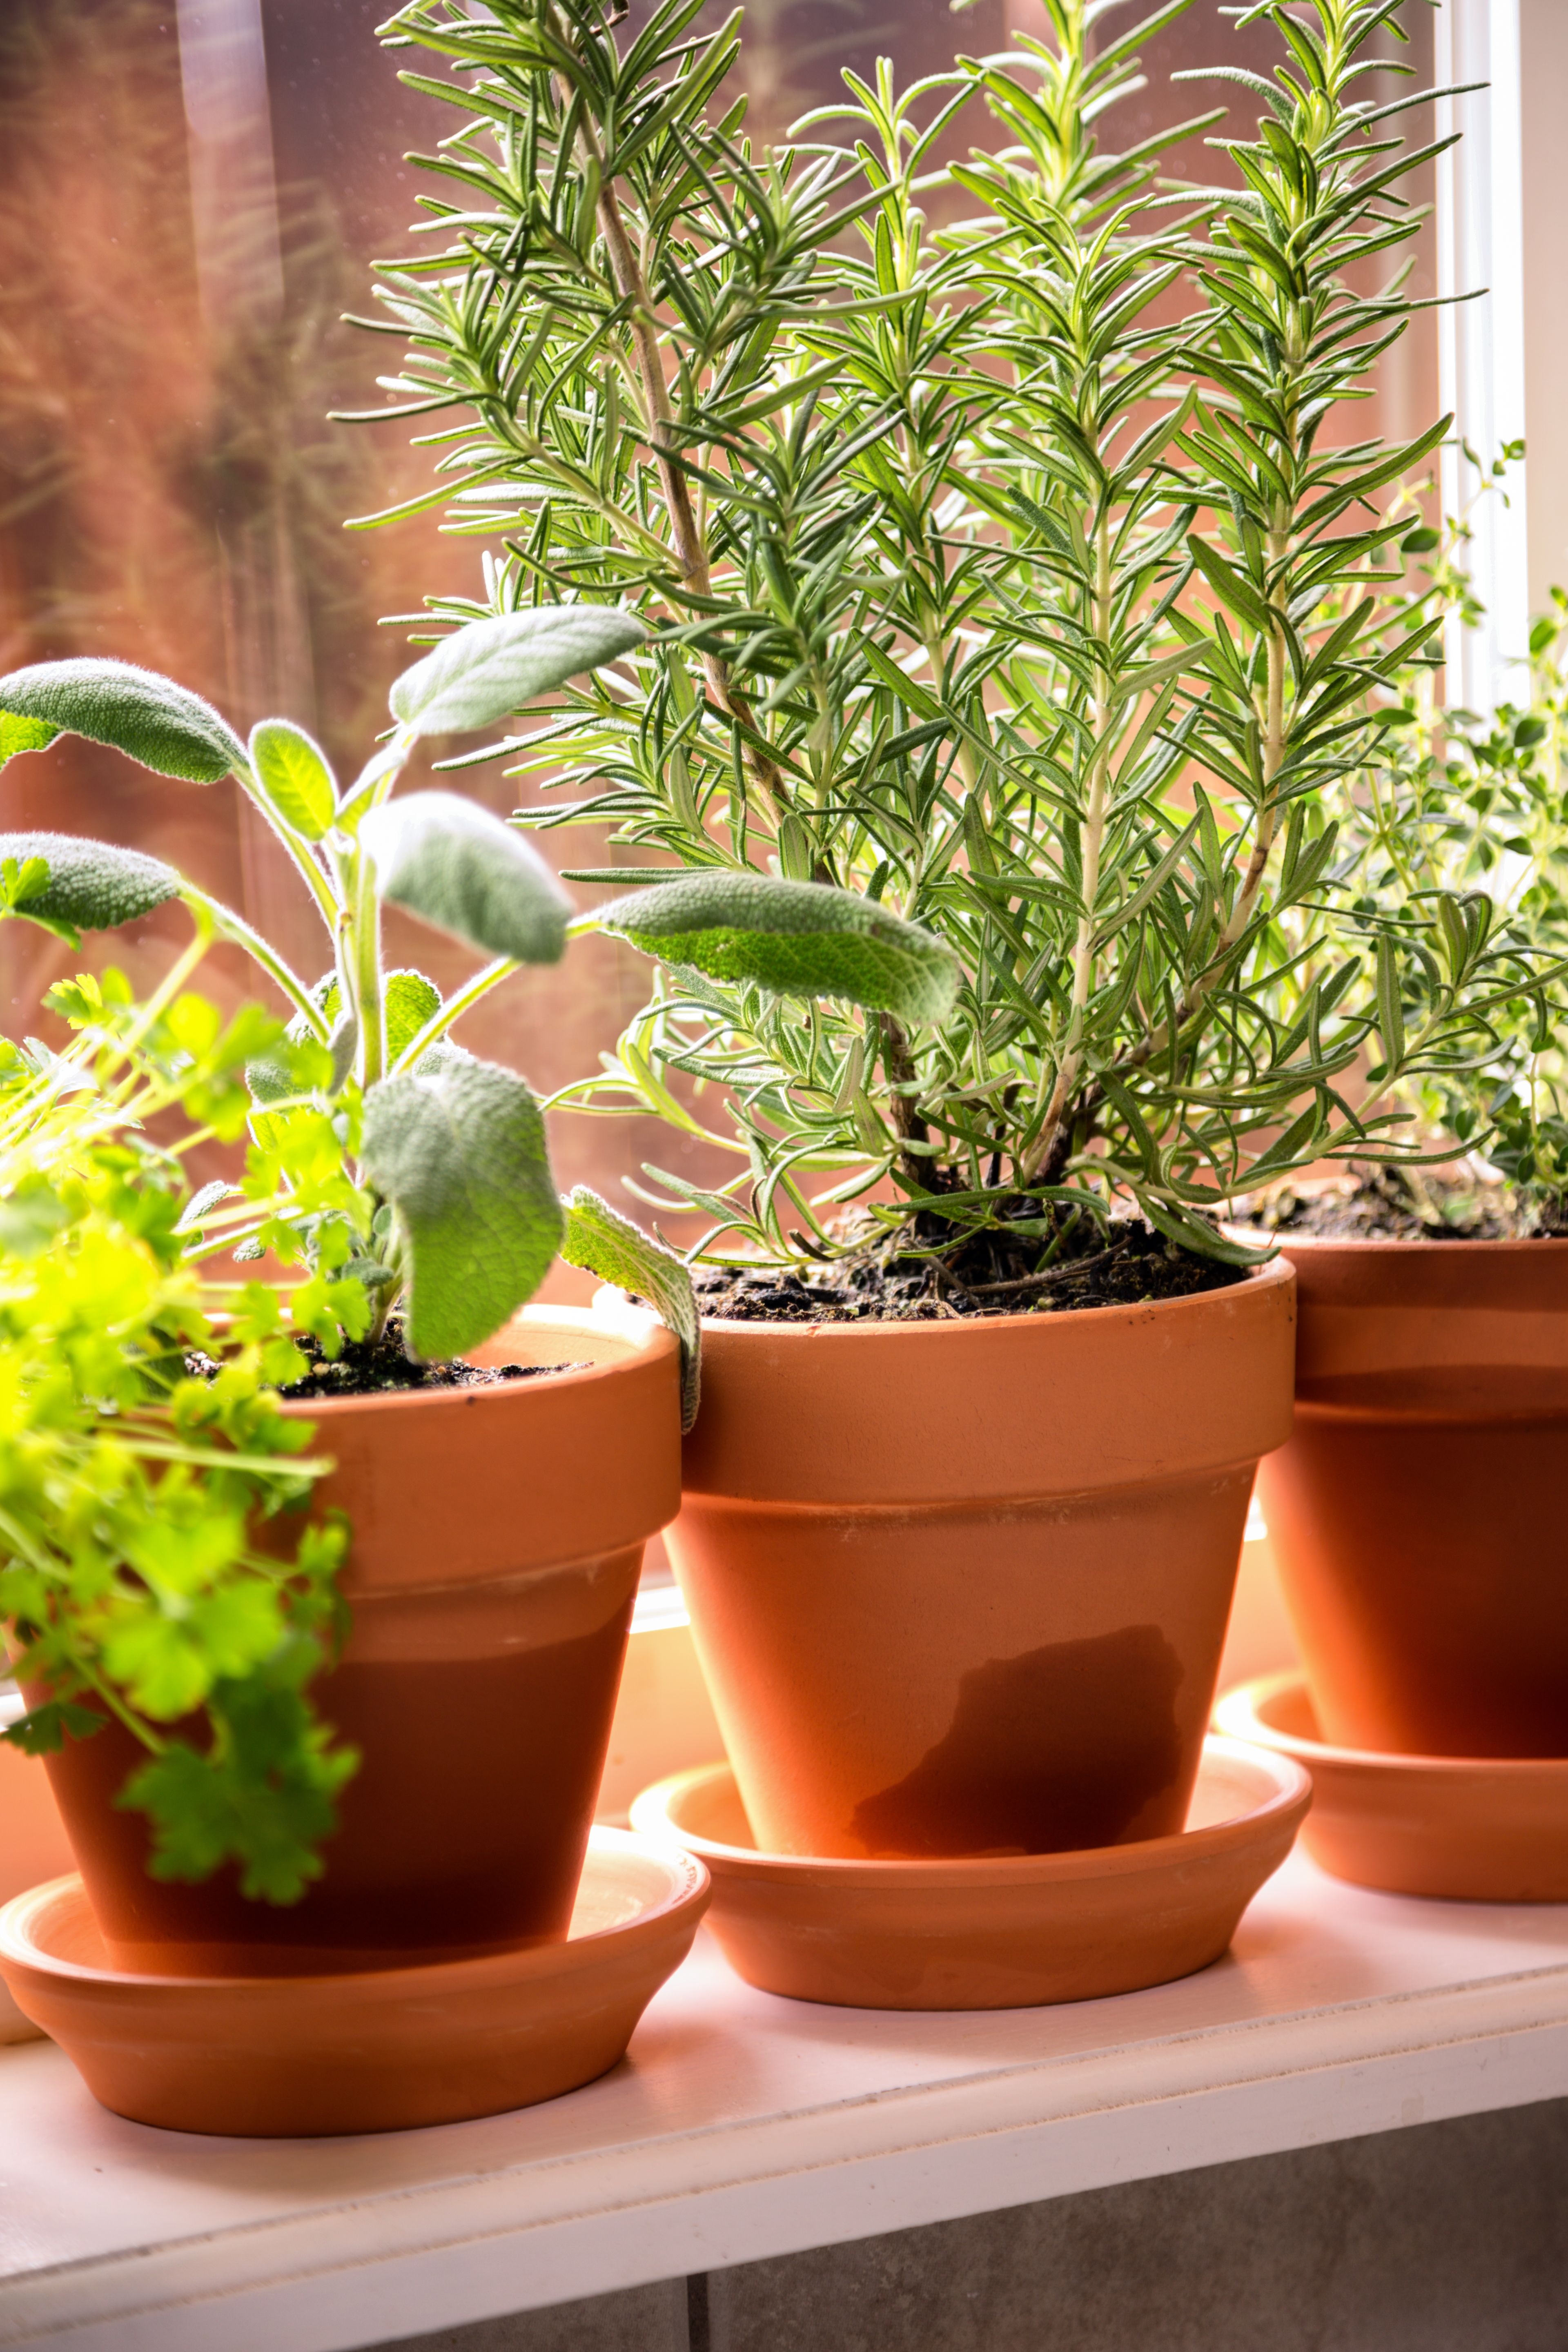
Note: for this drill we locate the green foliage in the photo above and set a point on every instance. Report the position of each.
(793, 937)
(602, 1242)
(462, 871)
(459, 1153)
(21, 734)
(1455, 864)
(475, 677)
(292, 771)
(148, 718)
(132, 1494)
(385, 1159)
(411, 1002)
(996, 591)
(73, 885)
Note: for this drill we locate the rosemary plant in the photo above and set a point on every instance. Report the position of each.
(1016, 580)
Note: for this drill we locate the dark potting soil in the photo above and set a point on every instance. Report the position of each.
(931, 1271)
(1395, 1204)
(366, 1367)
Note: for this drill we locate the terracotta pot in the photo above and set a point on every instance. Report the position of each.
(497, 1535)
(1417, 1514)
(962, 1588)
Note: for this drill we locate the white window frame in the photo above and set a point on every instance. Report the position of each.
(1481, 340)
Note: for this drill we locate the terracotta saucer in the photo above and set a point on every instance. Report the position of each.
(1465, 1828)
(33, 1842)
(296, 2056)
(994, 1932)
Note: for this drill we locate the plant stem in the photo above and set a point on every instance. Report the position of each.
(467, 997)
(691, 551)
(1273, 753)
(299, 851)
(233, 927)
(364, 956)
(898, 1064)
(1048, 1158)
(1083, 957)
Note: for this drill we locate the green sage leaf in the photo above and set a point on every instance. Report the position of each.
(804, 938)
(19, 734)
(410, 1001)
(460, 1153)
(148, 718)
(460, 870)
(293, 773)
(602, 1242)
(93, 885)
(482, 672)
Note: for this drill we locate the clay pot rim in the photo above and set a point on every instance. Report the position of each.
(644, 1337)
(1375, 1414)
(653, 1813)
(1373, 1245)
(689, 1886)
(1240, 1718)
(1275, 1272)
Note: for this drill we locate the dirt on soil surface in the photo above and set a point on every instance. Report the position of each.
(367, 1367)
(1396, 1204)
(930, 1272)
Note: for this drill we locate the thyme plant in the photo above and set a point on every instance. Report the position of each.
(1017, 578)
(1470, 815)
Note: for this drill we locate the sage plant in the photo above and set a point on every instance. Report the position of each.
(394, 1163)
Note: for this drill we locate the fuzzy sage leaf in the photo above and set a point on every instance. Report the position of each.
(92, 886)
(602, 1242)
(133, 710)
(463, 871)
(292, 771)
(482, 672)
(460, 1153)
(801, 939)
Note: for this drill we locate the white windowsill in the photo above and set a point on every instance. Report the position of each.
(746, 2126)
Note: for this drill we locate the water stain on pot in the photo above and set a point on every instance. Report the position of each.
(1062, 1748)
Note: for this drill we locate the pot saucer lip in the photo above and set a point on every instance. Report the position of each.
(1239, 1718)
(1274, 1273)
(688, 1891)
(1282, 1807)
(644, 1337)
